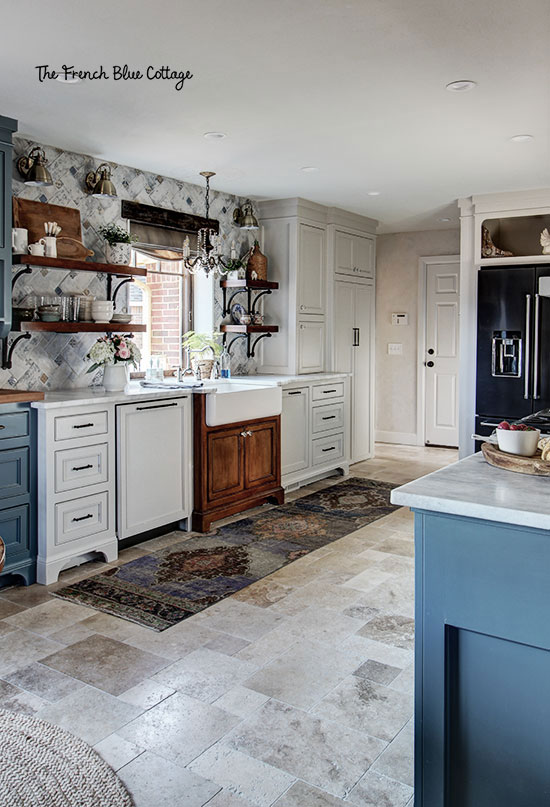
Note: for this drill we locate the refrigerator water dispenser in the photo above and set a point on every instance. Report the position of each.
(506, 354)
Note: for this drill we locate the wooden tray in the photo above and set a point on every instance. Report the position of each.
(72, 248)
(32, 215)
(512, 462)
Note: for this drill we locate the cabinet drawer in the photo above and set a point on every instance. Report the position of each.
(67, 427)
(81, 517)
(327, 418)
(77, 467)
(14, 472)
(324, 392)
(14, 531)
(15, 424)
(327, 449)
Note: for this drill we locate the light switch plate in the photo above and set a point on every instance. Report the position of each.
(395, 348)
(544, 286)
(400, 319)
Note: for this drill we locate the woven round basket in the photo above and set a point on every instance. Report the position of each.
(204, 367)
(2, 554)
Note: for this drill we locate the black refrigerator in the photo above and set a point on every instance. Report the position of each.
(513, 344)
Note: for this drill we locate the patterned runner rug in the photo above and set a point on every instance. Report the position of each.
(164, 587)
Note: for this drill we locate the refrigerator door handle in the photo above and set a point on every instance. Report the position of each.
(527, 362)
(536, 393)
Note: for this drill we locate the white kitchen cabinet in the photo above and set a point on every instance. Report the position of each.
(312, 274)
(154, 458)
(353, 254)
(76, 487)
(353, 331)
(311, 346)
(295, 431)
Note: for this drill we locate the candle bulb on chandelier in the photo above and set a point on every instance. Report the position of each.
(233, 251)
(186, 248)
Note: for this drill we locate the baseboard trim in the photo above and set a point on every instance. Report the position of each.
(402, 438)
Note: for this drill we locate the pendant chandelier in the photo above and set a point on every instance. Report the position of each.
(209, 258)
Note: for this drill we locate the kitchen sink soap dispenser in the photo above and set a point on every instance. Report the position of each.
(225, 364)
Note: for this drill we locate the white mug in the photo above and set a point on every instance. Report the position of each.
(37, 249)
(50, 245)
(19, 240)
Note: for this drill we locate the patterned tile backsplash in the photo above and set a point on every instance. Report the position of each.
(58, 361)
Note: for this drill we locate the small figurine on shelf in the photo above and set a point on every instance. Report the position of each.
(488, 249)
(545, 241)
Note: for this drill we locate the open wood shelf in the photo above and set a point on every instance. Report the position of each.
(249, 328)
(81, 327)
(248, 284)
(79, 266)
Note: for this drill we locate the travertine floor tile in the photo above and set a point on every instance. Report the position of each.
(224, 643)
(302, 795)
(27, 596)
(180, 728)
(146, 694)
(90, 714)
(375, 671)
(241, 701)
(395, 630)
(397, 760)
(156, 782)
(116, 751)
(175, 642)
(20, 647)
(8, 608)
(319, 751)
(48, 684)
(375, 790)
(242, 775)
(205, 674)
(106, 664)
(239, 619)
(49, 617)
(16, 700)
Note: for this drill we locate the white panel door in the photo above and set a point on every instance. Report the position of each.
(154, 464)
(344, 320)
(361, 408)
(363, 256)
(311, 269)
(441, 353)
(311, 346)
(295, 430)
(343, 253)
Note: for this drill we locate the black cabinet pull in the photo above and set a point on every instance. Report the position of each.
(83, 518)
(157, 406)
(296, 392)
(82, 467)
(332, 448)
(326, 391)
(356, 334)
(329, 417)
(2, 427)
(84, 426)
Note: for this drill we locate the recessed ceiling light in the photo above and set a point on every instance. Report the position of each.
(461, 86)
(521, 138)
(214, 135)
(69, 80)
(444, 219)
(373, 193)
(309, 169)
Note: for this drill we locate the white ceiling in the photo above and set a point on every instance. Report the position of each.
(353, 87)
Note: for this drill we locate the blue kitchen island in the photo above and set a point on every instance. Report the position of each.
(482, 691)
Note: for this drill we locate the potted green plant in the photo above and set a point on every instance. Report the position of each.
(118, 249)
(198, 344)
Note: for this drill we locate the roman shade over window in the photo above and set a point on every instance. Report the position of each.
(160, 243)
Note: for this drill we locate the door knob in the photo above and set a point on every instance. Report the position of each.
(429, 363)
(431, 351)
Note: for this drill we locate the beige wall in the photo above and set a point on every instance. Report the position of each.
(397, 291)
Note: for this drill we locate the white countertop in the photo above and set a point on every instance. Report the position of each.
(89, 396)
(475, 489)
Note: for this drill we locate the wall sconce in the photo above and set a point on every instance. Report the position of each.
(33, 168)
(99, 182)
(244, 217)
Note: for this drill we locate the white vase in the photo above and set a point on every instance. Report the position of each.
(118, 253)
(115, 377)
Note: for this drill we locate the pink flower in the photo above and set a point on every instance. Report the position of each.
(124, 352)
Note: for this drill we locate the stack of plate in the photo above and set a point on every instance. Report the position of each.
(122, 318)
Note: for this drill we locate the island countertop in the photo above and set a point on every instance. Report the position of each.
(474, 489)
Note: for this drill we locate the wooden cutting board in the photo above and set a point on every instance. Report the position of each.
(32, 215)
(72, 248)
(535, 466)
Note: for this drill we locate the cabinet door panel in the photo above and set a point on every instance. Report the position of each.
(295, 431)
(262, 454)
(344, 321)
(343, 245)
(14, 531)
(361, 382)
(311, 347)
(363, 256)
(311, 270)
(225, 463)
(14, 472)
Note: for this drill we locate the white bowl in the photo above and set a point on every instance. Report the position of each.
(522, 443)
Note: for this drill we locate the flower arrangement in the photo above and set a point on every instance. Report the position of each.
(113, 349)
(114, 234)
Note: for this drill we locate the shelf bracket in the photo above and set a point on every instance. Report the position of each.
(112, 295)
(256, 298)
(8, 348)
(26, 271)
(229, 345)
(251, 350)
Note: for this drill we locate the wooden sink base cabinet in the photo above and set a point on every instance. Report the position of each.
(236, 466)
